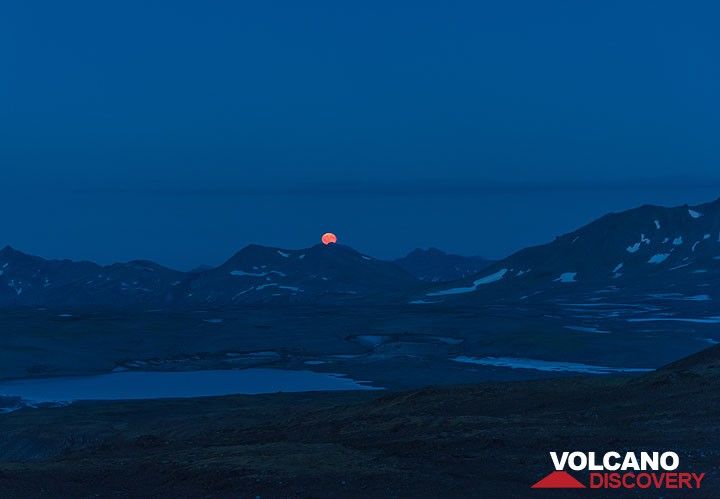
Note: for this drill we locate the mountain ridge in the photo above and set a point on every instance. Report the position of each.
(636, 249)
(669, 253)
(434, 265)
(254, 274)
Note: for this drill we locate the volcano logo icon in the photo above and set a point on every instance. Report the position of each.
(558, 480)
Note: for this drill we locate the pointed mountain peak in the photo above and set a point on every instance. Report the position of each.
(10, 252)
(334, 247)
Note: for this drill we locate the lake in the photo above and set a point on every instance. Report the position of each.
(129, 385)
(547, 365)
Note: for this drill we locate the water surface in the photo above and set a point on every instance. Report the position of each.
(547, 365)
(150, 385)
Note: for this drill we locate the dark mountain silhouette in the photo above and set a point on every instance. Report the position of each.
(255, 274)
(650, 252)
(434, 265)
(705, 363)
(670, 252)
(27, 280)
(263, 274)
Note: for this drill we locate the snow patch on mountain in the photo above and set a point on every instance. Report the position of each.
(242, 273)
(478, 282)
(695, 320)
(694, 214)
(659, 258)
(278, 286)
(567, 277)
(491, 278)
(635, 247)
(17, 287)
(586, 329)
(681, 266)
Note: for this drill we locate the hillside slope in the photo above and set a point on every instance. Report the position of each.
(649, 251)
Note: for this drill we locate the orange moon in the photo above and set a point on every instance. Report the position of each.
(328, 238)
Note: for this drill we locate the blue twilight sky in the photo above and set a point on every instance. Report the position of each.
(182, 130)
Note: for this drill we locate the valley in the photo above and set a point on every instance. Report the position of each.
(489, 438)
(393, 347)
(232, 379)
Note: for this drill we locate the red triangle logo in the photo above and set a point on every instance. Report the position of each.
(558, 480)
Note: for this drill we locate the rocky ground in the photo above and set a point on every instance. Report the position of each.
(488, 440)
(393, 347)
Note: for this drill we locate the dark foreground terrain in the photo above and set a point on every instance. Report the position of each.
(489, 440)
(395, 347)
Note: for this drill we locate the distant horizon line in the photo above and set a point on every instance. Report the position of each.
(426, 186)
(401, 254)
(277, 248)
